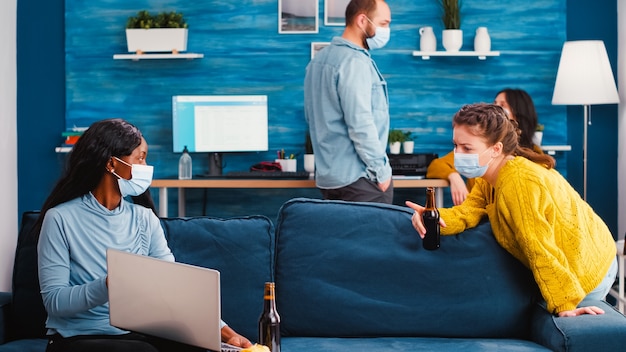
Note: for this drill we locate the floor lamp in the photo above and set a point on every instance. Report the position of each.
(584, 78)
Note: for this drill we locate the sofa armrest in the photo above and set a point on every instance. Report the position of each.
(5, 302)
(603, 332)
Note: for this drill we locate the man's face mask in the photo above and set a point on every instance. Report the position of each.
(380, 38)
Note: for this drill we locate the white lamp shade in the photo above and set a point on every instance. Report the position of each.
(584, 76)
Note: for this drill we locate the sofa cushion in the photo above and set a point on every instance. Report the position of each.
(5, 314)
(359, 269)
(606, 332)
(395, 344)
(27, 310)
(242, 249)
(25, 345)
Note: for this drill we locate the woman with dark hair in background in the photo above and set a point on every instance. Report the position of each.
(86, 214)
(519, 107)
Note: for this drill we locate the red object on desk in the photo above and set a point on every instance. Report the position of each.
(71, 140)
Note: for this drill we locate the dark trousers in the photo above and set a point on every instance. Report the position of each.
(131, 342)
(363, 190)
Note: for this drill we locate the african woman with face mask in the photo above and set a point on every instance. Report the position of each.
(534, 212)
(86, 214)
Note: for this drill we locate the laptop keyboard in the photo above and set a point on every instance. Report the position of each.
(229, 348)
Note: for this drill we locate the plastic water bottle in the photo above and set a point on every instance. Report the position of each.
(184, 165)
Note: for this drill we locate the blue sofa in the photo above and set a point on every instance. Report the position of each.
(352, 277)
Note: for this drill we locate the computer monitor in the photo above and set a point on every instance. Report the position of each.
(216, 124)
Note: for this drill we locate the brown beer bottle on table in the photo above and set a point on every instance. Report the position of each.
(269, 322)
(430, 217)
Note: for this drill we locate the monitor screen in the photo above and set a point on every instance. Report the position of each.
(219, 123)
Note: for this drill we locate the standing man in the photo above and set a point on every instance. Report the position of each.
(347, 109)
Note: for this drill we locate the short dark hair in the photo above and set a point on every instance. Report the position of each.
(357, 7)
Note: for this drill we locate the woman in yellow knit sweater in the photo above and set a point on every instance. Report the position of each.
(519, 106)
(534, 212)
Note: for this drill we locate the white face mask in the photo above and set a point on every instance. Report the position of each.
(380, 38)
(468, 165)
(140, 179)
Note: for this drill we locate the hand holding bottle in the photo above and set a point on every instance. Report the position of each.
(416, 219)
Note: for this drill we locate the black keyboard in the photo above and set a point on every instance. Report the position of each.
(279, 175)
(410, 164)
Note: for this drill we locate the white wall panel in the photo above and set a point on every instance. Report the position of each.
(8, 141)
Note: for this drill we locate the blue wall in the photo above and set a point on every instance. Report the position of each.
(244, 54)
(587, 20)
(60, 85)
(40, 98)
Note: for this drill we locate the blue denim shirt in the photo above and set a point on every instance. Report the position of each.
(347, 109)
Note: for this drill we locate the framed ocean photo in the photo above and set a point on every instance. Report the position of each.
(297, 16)
(335, 12)
(317, 46)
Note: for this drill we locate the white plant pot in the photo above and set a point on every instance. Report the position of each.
(408, 146)
(537, 137)
(394, 148)
(452, 39)
(288, 164)
(309, 163)
(156, 40)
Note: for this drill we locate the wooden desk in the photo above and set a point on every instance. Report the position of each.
(162, 185)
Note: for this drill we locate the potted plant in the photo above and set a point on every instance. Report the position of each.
(309, 158)
(163, 32)
(396, 137)
(408, 144)
(452, 35)
(538, 135)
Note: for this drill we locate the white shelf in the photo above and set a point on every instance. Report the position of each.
(552, 149)
(157, 56)
(63, 149)
(481, 55)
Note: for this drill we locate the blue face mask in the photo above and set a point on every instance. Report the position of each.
(380, 38)
(140, 179)
(468, 165)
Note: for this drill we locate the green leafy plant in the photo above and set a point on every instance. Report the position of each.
(451, 13)
(397, 136)
(539, 127)
(408, 136)
(145, 20)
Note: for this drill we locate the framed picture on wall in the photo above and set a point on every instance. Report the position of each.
(335, 12)
(317, 46)
(297, 16)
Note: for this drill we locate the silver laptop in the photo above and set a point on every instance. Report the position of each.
(170, 300)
